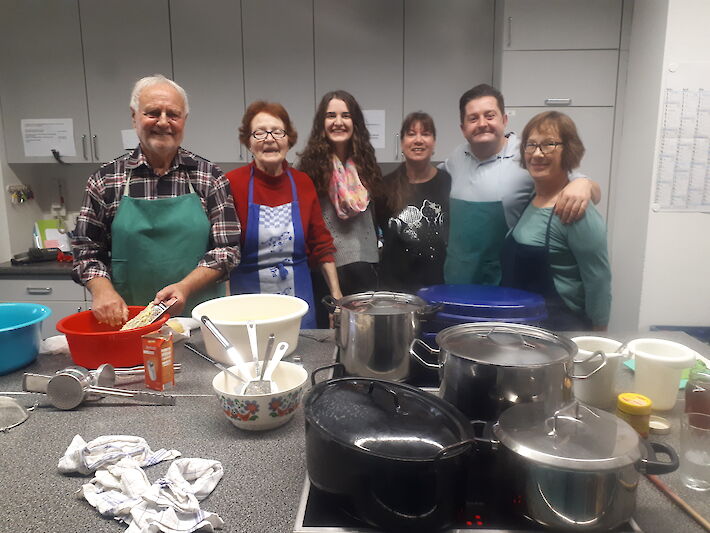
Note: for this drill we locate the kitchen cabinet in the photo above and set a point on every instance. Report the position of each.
(563, 55)
(448, 48)
(79, 60)
(358, 48)
(595, 126)
(62, 296)
(278, 60)
(560, 24)
(124, 40)
(42, 73)
(207, 54)
(560, 77)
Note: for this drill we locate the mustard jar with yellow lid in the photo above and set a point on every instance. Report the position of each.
(635, 409)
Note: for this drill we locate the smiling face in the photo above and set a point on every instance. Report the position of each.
(270, 153)
(338, 123)
(484, 126)
(418, 143)
(160, 120)
(545, 167)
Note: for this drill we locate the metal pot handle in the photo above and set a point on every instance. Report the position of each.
(429, 311)
(483, 430)
(441, 454)
(421, 361)
(389, 391)
(651, 464)
(330, 303)
(597, 369)
(334, 366)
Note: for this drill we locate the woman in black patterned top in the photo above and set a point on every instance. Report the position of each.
(414, 212)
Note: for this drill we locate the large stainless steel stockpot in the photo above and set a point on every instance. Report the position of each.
(375, 331)
(486, 367)
(577, 469)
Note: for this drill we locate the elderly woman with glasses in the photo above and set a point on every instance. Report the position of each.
(283, 233)
(567, 264)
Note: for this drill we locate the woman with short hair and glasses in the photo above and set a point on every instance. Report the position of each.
(283, 233)
(568, 264)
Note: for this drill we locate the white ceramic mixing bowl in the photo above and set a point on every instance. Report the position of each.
(272, 313)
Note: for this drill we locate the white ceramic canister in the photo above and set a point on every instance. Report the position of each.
(597, 390)
(659, 365)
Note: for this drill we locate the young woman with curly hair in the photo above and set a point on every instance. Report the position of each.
(341, 162)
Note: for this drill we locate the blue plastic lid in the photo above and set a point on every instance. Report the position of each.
(483, 302)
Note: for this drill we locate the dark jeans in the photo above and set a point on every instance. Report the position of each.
(353, 278)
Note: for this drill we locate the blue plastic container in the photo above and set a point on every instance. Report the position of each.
(20, 334)
(481, 303)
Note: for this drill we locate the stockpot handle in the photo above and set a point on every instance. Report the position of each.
(651, 464)
(441, 454)
(597, 369)
(421, 361)
(392, 394)
(334, 366)
(429, 310)
(330, 303)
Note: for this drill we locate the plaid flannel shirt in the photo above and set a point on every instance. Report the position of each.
(92, 240)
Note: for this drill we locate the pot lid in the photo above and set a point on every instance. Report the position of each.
(504, 344)
(577, 437)
(486, 302)
(386, 419)
(382, 303)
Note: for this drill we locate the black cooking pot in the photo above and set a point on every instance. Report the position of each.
(397, 454)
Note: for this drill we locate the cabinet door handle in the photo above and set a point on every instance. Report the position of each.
(396, 147)
(558, 101)
(83, 147)
(94, 142)
(39, 290)
(510, 32)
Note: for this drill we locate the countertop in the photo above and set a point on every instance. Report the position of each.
(42, 269)
(264, 471)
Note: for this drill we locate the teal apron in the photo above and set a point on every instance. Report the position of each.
(156, 243)
(476, 234)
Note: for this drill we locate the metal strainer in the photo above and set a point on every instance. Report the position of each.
(12, 414)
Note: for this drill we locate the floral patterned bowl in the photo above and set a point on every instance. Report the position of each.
(262, 411)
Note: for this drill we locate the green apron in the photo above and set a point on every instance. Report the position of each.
(156, 243)
(477, 231)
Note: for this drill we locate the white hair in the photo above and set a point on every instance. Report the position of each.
(156, 79)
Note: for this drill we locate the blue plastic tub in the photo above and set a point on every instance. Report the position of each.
(20, 334)
(462, 304)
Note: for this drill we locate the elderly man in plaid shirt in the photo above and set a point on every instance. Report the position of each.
(158, 222)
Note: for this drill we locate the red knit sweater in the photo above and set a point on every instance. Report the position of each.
(276, 190)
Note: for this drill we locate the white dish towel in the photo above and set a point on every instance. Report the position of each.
(121, 490)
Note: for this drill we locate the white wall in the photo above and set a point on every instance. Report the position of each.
(676, 283)
(660, 261)
(16, 235)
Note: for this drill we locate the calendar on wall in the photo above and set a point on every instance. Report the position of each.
(683, 166)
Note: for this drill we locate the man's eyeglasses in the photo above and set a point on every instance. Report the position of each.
(546, 148)
(261, 135)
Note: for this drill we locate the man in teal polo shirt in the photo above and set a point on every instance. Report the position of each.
(489, 190)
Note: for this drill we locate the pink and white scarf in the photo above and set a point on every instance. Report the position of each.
(347, 193)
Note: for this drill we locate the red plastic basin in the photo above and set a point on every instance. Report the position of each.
(92, 344)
